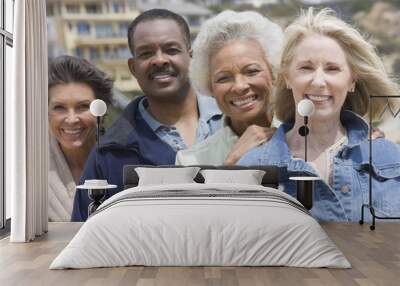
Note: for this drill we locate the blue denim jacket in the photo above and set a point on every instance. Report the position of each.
(342, 201)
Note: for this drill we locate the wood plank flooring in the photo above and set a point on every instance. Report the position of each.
(374, 255)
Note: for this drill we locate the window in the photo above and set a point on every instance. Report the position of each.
(133, 4)
(72, 8)
(6, 44)
(117, 7)
(93, 53)
(93, 8)
(83, 28)
(107, 53)
(104, 31)
(54, 48)
(79, 52)
(50, 10)
(123, 52)
(118, 52)
(123, 29)
(9, 10)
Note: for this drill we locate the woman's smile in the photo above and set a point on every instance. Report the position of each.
(244, 102)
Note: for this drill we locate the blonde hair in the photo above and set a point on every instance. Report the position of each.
(366, 66)
(227, 26)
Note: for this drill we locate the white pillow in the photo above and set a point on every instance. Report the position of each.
(162, 176)
(248, 177)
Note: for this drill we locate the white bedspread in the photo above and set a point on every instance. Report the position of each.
(200, 224)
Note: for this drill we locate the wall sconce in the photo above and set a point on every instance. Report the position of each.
(305, 184)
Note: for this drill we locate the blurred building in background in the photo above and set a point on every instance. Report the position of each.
(96, 31)
(195, 14)
(255, 3)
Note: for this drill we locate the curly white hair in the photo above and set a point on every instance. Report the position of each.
(225, 27)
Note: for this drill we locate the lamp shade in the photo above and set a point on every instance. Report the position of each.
(305, 107)
(98, 107)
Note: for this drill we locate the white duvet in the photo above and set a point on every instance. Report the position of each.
(200, 224)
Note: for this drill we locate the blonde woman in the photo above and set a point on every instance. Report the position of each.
(329, 62)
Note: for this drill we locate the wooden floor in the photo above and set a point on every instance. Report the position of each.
(374, 255)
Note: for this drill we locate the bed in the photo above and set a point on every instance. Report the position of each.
(212, 220)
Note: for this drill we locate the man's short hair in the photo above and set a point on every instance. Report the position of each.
(156, 14)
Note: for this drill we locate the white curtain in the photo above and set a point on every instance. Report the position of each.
(26, 123)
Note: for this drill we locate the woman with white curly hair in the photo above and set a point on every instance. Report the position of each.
(328, 62)
(235, 56)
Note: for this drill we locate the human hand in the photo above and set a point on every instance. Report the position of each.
(253, 136)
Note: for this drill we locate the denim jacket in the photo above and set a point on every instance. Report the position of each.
(342, 201)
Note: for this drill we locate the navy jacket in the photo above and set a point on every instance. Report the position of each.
(128, 141)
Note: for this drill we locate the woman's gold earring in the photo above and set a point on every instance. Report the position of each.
(287, 86)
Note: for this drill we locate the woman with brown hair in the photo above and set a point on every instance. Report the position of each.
(73, 84)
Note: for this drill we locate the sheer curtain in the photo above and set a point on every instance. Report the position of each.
(26, 123)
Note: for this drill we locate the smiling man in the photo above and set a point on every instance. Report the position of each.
(170, 117)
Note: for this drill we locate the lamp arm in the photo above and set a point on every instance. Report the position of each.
(97, 133)
(305, 137)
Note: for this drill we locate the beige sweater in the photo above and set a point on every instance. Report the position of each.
(61, 184)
